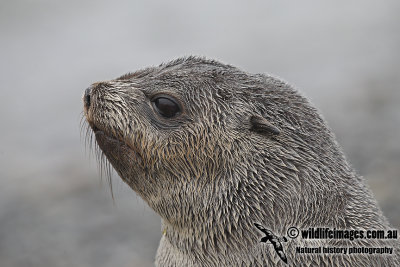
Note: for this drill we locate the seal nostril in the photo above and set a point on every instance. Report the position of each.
(86, 97)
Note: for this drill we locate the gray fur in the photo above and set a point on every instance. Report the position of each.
(213, 171)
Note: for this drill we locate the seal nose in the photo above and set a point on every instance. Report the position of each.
(86, 97)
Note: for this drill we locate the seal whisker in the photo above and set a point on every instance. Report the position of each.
(92, 148)
(105, 169)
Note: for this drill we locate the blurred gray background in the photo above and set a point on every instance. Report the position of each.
(54, 210)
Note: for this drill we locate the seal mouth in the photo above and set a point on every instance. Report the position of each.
(104, 140)
(109, 137)
(114, 147)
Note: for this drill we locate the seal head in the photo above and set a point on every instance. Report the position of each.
(213, 150)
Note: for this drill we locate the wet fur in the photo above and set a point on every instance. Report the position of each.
(215, 170)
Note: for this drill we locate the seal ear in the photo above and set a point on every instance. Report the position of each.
(260, 124)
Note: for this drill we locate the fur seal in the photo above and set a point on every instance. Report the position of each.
(215, 150)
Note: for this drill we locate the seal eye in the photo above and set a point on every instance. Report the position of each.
(166, 106)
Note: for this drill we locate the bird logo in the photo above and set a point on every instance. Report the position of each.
(274, 240)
